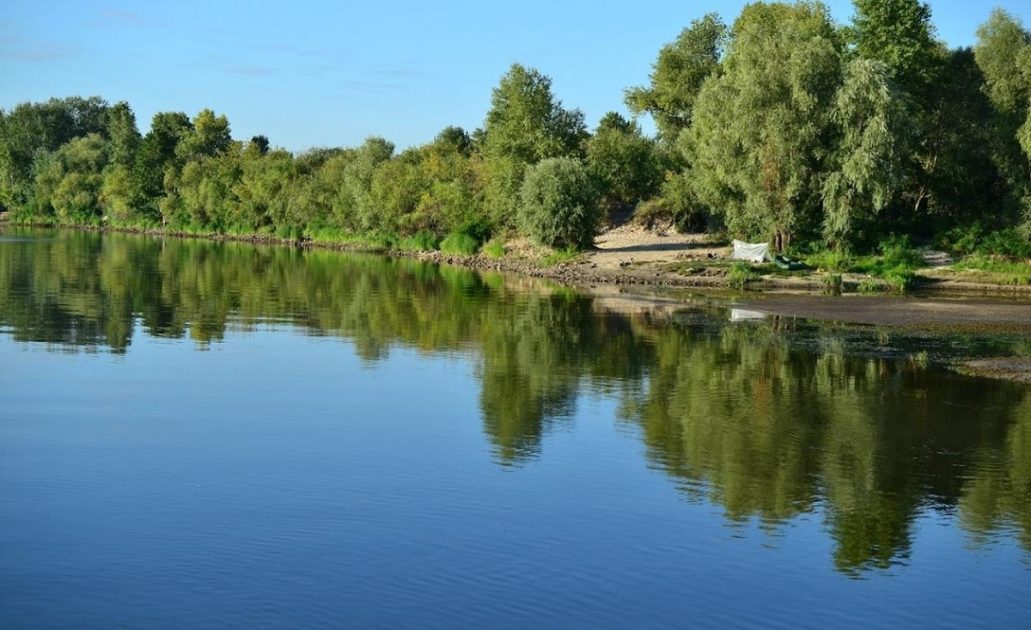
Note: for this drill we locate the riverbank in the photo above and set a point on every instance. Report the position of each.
(629, 273)
(632, 256)
(629, 255)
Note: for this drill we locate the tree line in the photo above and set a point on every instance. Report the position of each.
(783, 126)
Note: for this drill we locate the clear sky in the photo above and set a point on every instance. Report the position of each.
(308, 73)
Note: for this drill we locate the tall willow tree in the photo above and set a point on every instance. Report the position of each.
(867, 164)
(899, 34)
(758, 144)
(1003, 53)
(678, 75)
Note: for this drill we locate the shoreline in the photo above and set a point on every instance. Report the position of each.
(581, 272)
(952, 308)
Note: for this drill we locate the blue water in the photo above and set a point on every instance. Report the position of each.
(256, 446)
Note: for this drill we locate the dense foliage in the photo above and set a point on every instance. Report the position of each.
(784, 127)
(559, 205)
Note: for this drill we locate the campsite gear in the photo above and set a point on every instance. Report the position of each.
(752, 252)
(789, 264)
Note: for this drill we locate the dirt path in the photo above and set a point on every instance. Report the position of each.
(630, 245)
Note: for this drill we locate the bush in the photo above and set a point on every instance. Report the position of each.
(828, 260)
(833, 282)
(973, 239)
(480, 229)
(899, 253)
(559, 204)
(560, 256)
(460, 243)
(653, 213)
(740, 274)
(494, 249)
(422, 241)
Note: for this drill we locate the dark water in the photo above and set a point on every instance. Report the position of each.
(216, 435)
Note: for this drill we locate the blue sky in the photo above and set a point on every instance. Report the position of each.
(309, 73)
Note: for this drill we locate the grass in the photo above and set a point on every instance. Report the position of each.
(828, 260)
(494, 249)
(378, 241)
(460, 243)
(895, 264)
(997, 270)
(560, 256)
(419, 242)
(869, 286)
(833, 283)
(740, 274)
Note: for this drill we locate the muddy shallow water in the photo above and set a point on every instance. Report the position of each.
(914, 312)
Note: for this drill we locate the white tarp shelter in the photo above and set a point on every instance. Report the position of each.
(752, 252)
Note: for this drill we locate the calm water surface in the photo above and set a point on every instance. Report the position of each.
(217, 435)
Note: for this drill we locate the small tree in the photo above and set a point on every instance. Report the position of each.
(560, 204)
(623, 161)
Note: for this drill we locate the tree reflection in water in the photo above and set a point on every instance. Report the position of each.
(742, 415)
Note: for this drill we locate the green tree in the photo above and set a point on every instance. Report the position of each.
(260, 144)
(867, 165)
(263, 190)
(1003, 54)
(559, 204)
(30, 131)
(125, 137)
(204, 193)
(899, 34)
(157, 153)
(209, 136)
(525, 125)
(69, 186)
(357, 210)
(678, 74)
(623, 161)
(526, 122)
(758, 145)
(118, 194)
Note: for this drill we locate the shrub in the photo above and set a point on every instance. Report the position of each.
(480, 229)
(1009, 243)
(828, 260)
(422, 241)
(740, 274)
(494, 249)
(460, 243)
(833, 283)
(973, 239)
(560, 256)
(559, 204)
(653, 213)
(899, 253)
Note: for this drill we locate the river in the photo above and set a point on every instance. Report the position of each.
(201, 434)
